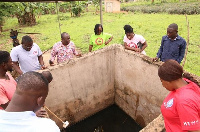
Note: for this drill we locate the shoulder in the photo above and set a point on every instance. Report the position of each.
(47, 123)
(138, 36)
(16, 49)
(164, 37)
(180, 38)
(107, 34)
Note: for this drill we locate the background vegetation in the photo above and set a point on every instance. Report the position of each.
(151, 26)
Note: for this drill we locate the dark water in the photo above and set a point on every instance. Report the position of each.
(111, 119)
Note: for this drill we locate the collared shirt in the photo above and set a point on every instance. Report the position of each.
(25, 121)
(172, 49)
(63, 52)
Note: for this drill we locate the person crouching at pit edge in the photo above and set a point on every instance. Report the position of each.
(181, 108)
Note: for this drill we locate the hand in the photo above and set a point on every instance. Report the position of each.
(106, 42)
(41, 113)
(155, 59)
(137, 50)
(79, 55)
(43, 67)
(51, 63)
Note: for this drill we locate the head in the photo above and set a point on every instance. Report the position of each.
(47, 75)
(31, 91)
(5, 61)
(65, 38)
(172, 31)
(98, 29)
(129, 31)
(168, 72)
(27, 43)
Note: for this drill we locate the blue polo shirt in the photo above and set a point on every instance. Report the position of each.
(172, 49)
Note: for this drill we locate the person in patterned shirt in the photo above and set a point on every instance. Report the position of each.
(63, 50)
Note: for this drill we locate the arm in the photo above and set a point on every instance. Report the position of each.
(159, 52)
(195, 131)
(144, 45)
(4, 105)
(129, 48)
(53, 56)
(110, 39)
(40, 59)
(90, 48)
(182, 51)
(16, 67)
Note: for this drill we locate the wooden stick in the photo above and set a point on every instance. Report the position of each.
(188, 37)
(53, 114)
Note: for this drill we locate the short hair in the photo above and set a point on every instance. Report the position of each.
(26, 39)
(170, 70)
(63, 35)
(47, 75)
(174, 26)
(96, 28)
(32, 81)
(4, 56)
(128, 29)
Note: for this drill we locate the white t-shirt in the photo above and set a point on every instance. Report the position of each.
(28, 60)
(25, 121)
(134, 42)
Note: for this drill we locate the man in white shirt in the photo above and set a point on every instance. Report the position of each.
(31, 92)
(28, 55)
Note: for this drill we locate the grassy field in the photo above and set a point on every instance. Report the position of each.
(151, 26)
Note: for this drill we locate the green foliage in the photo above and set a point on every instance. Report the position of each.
(171, 8)
(76, 8)
(151, 26)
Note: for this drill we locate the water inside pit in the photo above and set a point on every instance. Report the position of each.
(111, 119)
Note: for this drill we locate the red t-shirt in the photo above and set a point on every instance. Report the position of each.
(181, 109)
(7, 89)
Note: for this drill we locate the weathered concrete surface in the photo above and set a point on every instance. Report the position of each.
(86, 85)
(138, 89)
(82, 87)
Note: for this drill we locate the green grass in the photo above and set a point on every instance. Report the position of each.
(151, 26)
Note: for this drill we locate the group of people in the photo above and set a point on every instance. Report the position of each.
(21, 101)
(172, 45)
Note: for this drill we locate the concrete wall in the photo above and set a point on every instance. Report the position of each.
(139, 91)
(86, 85)
(82, 86)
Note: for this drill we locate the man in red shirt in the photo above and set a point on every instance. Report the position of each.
(7, 82)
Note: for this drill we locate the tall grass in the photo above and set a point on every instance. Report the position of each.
(151, 26)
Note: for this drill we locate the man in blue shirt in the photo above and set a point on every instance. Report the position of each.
(172, 45)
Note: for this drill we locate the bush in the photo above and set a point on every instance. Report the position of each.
(171, 8)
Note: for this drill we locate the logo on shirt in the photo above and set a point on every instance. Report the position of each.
(191, 123)
(132, 45)
(35, 52)
(169, 103)
(99, 41)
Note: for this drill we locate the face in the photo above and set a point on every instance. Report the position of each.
(65, 40)
(167, 85)
(171, 33)
(27, 46)
(129, 35)
(9, 65)
(99, 30)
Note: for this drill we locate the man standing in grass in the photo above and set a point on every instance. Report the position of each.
(28, 55)
(172, 45)
(63, 50)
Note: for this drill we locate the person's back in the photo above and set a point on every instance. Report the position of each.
(25, 122)
(31, 92)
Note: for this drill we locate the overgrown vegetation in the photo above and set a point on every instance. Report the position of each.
(151, 26)
(170, 8)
